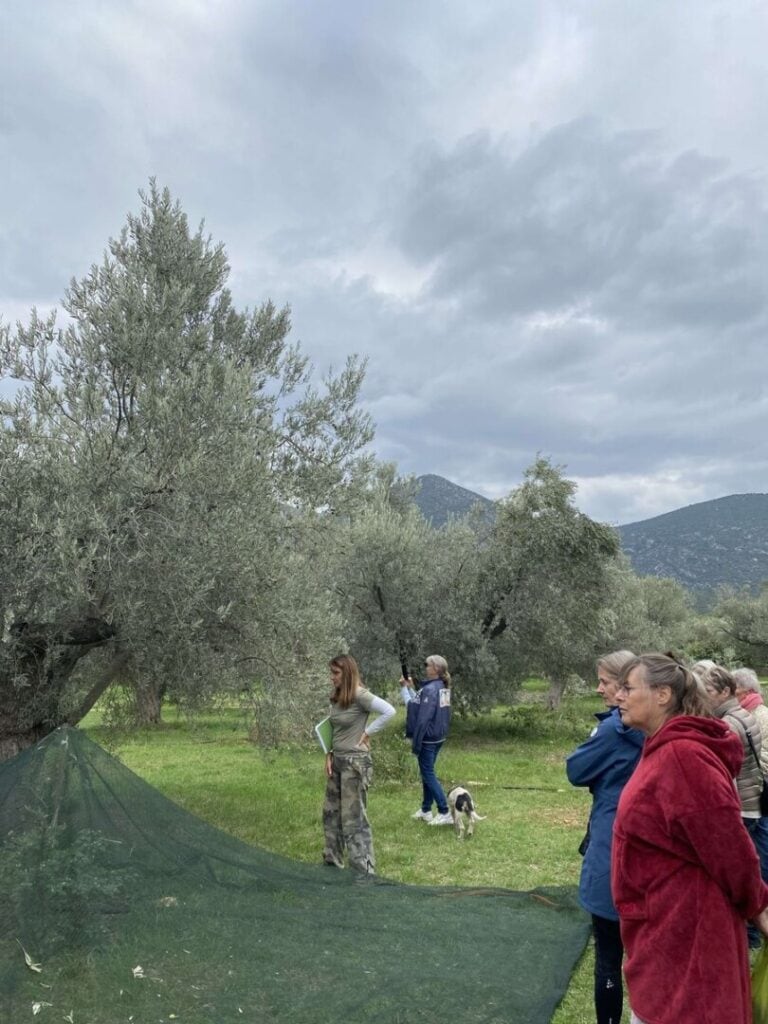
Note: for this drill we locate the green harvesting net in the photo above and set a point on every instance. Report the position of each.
(118, 906)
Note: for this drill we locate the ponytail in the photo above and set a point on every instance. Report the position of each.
(693, 700)
(688, 694)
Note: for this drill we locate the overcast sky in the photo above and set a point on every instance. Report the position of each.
(545, 223)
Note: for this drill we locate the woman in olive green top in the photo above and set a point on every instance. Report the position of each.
(348, 767)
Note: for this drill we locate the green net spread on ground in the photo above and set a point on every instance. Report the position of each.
(137, 911)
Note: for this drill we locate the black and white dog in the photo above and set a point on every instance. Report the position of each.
(463, 811)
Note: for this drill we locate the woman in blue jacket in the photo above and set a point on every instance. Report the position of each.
(604, 763)
(427, 717)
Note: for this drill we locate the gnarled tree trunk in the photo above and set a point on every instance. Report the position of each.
(149, 695)
(36, 664)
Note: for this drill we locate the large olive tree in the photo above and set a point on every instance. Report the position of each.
(544, 580)
(162, 462)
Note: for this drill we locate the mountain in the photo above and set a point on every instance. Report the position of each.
(703, 546)
(706, 545)
(440, 500)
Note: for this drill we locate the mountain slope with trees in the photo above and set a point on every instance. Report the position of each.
(704, 546)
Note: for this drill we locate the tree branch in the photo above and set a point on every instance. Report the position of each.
(102, 683)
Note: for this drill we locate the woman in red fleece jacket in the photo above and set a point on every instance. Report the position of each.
(685, 874)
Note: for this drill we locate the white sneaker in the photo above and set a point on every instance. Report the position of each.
(423, 816)
(442, 819)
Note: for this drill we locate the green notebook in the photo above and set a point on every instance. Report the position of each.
(324, 733)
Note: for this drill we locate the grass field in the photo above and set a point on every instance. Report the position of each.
(512, 761)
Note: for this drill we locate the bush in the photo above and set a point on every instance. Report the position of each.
(392, 757)
(528, 721)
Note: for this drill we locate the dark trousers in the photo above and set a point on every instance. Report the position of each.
(609, 952)
(432, 790)
(758, 831)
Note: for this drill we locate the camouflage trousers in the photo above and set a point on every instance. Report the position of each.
(345, 820)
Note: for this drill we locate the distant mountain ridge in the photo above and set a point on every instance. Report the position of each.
(440, 500)
(703, 546)
(707, 545)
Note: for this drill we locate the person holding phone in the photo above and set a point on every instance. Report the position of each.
(428, 717)
(349, 768)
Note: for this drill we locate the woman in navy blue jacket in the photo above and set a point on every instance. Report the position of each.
(604, 762)
(427, 718)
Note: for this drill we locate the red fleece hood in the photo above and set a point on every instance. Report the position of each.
(712, 733)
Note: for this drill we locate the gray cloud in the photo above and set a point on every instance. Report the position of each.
(543, 224)
(589, 219)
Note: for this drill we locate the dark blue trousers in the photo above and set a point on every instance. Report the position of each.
(758, 831)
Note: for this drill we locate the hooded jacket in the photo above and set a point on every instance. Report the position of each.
(685, 877)
(603, 762)
(428, 714)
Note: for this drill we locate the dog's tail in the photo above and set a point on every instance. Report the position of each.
(477, 817)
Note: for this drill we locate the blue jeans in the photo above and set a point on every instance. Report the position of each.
(758, 831)
(432, 790)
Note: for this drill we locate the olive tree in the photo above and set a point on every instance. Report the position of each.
(404, 591)
(529, 593)
(740, 622)
(644, 613)
(162, 463)
(543, 583)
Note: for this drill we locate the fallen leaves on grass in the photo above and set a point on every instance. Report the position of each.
(29, 961)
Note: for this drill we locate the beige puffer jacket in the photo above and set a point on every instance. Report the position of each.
(750, 779)
(761, 714)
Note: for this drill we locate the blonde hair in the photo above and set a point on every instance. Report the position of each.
(613, 663)
(720, 679)
(438, 662)
(700, 668)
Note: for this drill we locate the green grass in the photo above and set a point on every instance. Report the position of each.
(512, 762)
